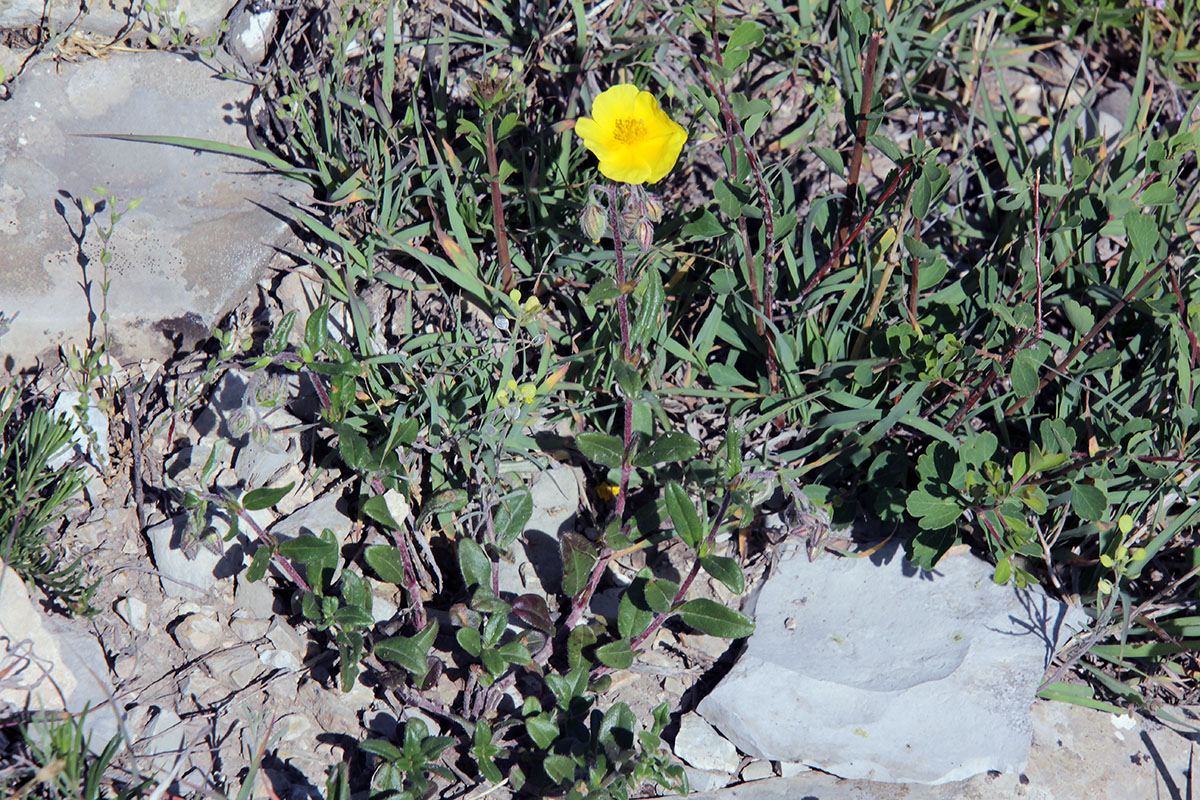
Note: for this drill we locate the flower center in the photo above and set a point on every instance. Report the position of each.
(630, 131)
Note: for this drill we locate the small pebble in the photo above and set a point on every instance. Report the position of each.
(280, 659)
(757, 770)
(134, 612)
(198, 632)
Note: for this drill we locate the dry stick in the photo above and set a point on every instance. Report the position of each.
(506, 280)
(135, 440)
(1083, 342)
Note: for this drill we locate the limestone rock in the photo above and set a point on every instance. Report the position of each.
(1076, 753)
(536, 564)
(111, 17)
(198, 633)
(703, 780)
(49, 664)
(757, 771)
(89, 436)
(702, 747)
(163, 739)
(135, 612)
(315, 517)
(856, 664)
(194, 248)
(189, 569)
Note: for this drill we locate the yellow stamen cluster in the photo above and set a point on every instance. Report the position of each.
(514, 392)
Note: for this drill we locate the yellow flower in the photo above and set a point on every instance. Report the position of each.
(608, 491)
(529, 308)
(632, 136)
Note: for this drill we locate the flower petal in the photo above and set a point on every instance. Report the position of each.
(614, 103)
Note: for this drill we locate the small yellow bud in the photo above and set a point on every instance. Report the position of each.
(528, 393)
(1140, 554)
(1104, 586)
(1107, 561)
(89, 206)
(1125, 524)
(1122, 552)
(502, 397)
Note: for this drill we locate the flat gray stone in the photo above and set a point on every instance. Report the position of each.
(52, 664)
(702, 747)
(190, 570)
(868, 668)
(194, 248)
(536, 564)
(1076, 753)
(110, 17)
(314, 518)
(163, 740)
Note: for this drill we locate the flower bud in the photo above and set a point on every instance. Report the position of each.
(653, 207)
(593, 223)
(643, 232)
(630, 217)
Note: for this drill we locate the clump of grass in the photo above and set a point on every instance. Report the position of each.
(35, 497)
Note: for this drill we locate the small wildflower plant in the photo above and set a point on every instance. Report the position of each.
(882, 309)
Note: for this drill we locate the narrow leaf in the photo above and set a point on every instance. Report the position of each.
(265, 497)
(709, 616)
(683, 514)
